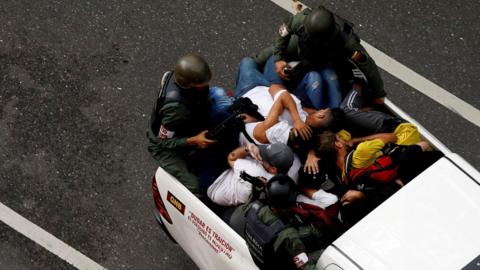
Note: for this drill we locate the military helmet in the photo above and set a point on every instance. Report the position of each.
(191, 70)
(281, 192)
(320, 23)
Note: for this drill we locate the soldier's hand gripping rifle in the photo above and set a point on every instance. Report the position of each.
(235, 120)
(256, 181)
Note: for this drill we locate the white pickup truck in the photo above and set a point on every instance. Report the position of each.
(431, 223)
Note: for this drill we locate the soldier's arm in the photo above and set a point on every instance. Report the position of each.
(174, 116)
(288, 28)
(289, 240)
(357, 53)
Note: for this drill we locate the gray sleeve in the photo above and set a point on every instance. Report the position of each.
(369, 120)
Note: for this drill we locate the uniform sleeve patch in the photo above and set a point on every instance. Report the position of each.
(359, 57)
(164, 133)
(300, 260)
(283, 31)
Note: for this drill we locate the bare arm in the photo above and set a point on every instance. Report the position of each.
(237, 153)
(289, 104)
(285, 101)
(200, 140)
(275, 88)
(260, 130)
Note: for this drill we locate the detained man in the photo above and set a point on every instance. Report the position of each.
(263, 161)
(288, 120)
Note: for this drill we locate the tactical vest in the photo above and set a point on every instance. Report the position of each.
(260, 238)
(383, 170)
(199, 107)
(313, 54)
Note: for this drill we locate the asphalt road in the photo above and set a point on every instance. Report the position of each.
(77, 82)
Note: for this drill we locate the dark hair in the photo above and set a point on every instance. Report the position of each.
(338, 120)
(326, 149)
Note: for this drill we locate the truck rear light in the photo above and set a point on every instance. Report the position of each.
(159, 202)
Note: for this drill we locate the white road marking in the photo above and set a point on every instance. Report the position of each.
(46, 240)
(423, 85)
(410, 77)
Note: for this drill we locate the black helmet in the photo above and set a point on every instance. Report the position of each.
(320, 24)
(191, 70)
(281, 192)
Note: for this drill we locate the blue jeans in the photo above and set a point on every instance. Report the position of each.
(220, 104)
(269, 71)
(318, 89)
(248, 77)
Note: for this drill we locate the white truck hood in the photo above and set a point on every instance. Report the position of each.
(431, 223)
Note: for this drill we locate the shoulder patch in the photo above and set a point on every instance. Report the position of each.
(300, 260)
(164, 133)
(283, 31)
(358, 57)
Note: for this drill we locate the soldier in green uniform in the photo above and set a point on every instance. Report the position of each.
(318, 38)
(273, 233)
(185, 108)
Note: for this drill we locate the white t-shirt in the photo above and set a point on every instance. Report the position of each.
(277, 133)
(280, 131)
(321, 198)
(261, 97)
(229, 189)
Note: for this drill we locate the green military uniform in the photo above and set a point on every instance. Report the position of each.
(291, 46)
(165, 151)
(289, 250)
(173, 122)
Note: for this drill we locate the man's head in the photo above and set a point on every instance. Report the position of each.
(192, 71)
(331, 119)
(277, 157)
(320, 25)
(281, 192)
(329, 145)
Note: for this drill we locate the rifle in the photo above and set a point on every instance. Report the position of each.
(256, 181)
(235, 120)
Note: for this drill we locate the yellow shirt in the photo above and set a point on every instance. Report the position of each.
(407, 134)
(344, 135)
(367, 152)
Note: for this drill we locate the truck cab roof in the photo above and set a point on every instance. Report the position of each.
(431, 223)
